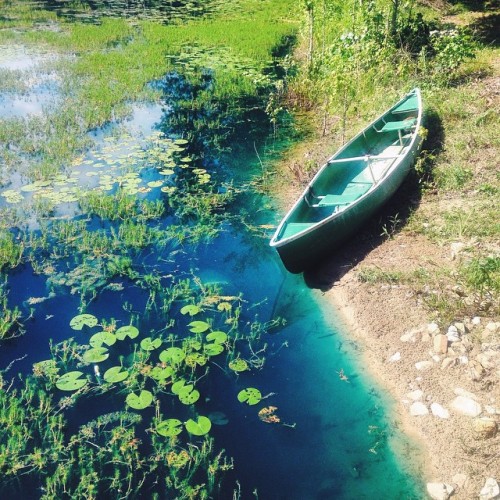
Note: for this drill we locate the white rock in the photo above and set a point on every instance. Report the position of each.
(463, 359)
(476, 320)
(395, 357)
(439, 491)
(492, 327)
(418, 409)
(460, 479)
(490, 490)
(411, 335)
(453, 334)
(466, 394)
(489, 359)
(447, 362)
(440, 343)
(424, 365)
(439, 411)
(415, 395)
(491, 410)
(462, 330)
(433, 328)
(466, 406)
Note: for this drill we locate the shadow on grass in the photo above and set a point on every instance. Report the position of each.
(487, 29)
(392, 217)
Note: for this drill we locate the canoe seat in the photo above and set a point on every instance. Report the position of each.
(398, 126)
(352, 192)
(292, 228)
(411, 104)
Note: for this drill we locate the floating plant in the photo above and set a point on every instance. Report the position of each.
(213, 349)
(169, 428)
(199, 427)
(173, 355)
(129, 331)
(238, 365)
(115, 374)
(148, 344)
(78, 322)
(98, 339)
(139, 401)
(96, 355)
(250, 395)
(217, 337)
(71, 381)
(190, 309)
(199, 326)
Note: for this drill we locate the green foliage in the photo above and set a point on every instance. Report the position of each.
(483, 274)
(250, 396)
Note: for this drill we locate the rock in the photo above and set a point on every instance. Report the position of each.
(491, 410)
(452, 334)
(476, 320)
(460, 479)
(462, 392)
(433, 328)
(447, 362)
(490, 490)
(492, 326)
(424, 365)
(484, 427)
(466, 406)
(440, 344)
(455, 248)
(439, 411)
(462, 330)
(418, 409)
(463, 360)
(489, 359)
(411, 335)
(415, 395)
(395, 357)
(476, 370)
(440, 491)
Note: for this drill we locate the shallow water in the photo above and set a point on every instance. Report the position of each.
(334, 438)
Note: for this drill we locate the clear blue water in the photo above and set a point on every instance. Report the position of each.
(335, 443)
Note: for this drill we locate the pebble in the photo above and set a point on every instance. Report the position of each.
(452, 334)
(418, 409)
(447, 362)
(476, 320)
(424, 365)
(440, 491)
(415, 395)
(433, 328)
(440, 343)
(466, 406)
(489, 359)
(458, 391)
(439, 411)
(460, 479)
(484, 427)
(395, 357)
(490, 490)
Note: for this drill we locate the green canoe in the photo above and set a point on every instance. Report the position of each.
(351, 186)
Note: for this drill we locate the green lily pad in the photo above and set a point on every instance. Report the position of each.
(217, 337)
(96, 355)
(180, 141)
(98, 339)
(213, 349)
(250, 395)
(196, 359)
(158, 373)
(173, 355)
(199, 326)
(169, 428)
(127, 331)
(200, 427)
(166, 171)
(238, 365)
(148, 344)
(115, 374)
(190, 309)
(71, 381)
(141, 401)
(155, 184)
(189, 397)
(180, 385)
(81, 320)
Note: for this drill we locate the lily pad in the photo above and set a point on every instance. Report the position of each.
(218, 418)
(196, 359)
(96, 355)
(250, 395)
(189, 397)
(199, 326)
(148, 344)
(98, 339)
(213, 349)
(173, 355)
(81, 320)
(140, 401)
(238, 365)
(158, 373)
(190, 309)
(115, 374)
(71, 381)
(180, 385)
(127, 331)
(169, 428)
(200, 427)
(217, 337)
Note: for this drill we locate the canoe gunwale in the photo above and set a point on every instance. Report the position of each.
(408, 150)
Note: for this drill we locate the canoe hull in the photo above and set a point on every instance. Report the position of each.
(314, 241)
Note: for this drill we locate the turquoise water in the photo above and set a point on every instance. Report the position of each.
(333, 440)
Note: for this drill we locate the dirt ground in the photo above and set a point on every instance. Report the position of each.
(378, 315)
